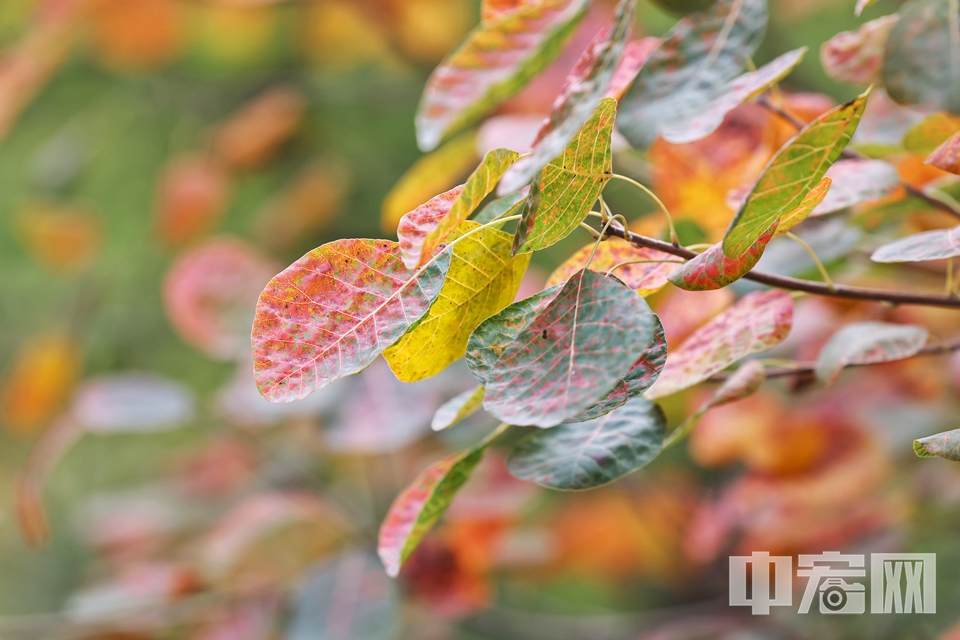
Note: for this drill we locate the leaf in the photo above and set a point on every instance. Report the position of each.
(856, 57)
(571, 355)
(38, 380)
(796, 169)
(947, 155)
(645, 278)
(493, 9)
(495, 60)
(571, 183)
(810, 202)
(744, 382)
(939, 244)
(857, 180)
(482, 280)
(528, 215)
(255, 133)
(861, 5)
(734, 93)
(579, 98)
(943, 445)
(191, 198)
(132, 403)
(868, 343)
(333, 311)
(757, 322)
(925, 136)
(922, 60)
(714, 270)
(634, 57)
(699, 55)
(480, 183)
(584, 455)
(458, 408)
(416, 225)
(502, 207)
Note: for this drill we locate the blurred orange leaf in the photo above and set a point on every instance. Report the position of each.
(307, 204)
(192, 196)
(255, 133)
(138, 35)
(36, 385)
(63, 238)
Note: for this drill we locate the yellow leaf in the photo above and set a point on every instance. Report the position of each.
(43, 373)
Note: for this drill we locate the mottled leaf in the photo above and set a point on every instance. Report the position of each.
(947, 155)
(495, 60)
(634, 57)
(416, 225)
(928, 134)
(570, 356)
(583, 455)
(810, 202)
(938, 244)
(943, 445)
(482, 280)
(857, 180)
(868, 343)
(708, 119)
(643, 277)
(457, 409)
(796, 169)
(757, 322)
(712, 269)
(856, 57)
(502, 207)
(331, 313)
(579, 98)
(921, 64)
(698, 57)
(571, 183)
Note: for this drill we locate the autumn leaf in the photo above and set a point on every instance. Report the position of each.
(939, 244)
(925, 136)
(734, 93)
(132, 402)
(856, 57)
(256, 132)
(493, 9)
(857, 180)
(495, 60)
(757, 322)
(868, 343)
(579, 98)
(796, 169)
(415, 226)
(457, 408)
(745, 381)
(307, 204)
(502, 207)
(806, 207)
(584, 455)
(943, 445)
(331, 313)
(947, 155)
(647, 275)
(191, 197)
(861, 5)
(64, 239)
(634, 57)
(568, 357)
(698, 57)
(571, 183)
(712, 269)
(39, 380)
(482, 279)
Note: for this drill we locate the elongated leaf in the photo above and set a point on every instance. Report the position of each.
(921, 64)
(714, 270)
(698, 57)
(868, 343)
(482, 280)
(947, 155)
(806, 207)
(757, 322)
(495, 60)
(584, 455)
(634, 57)
(708, 118)
(579, 98)
(856, 57)
(571, 183)
(569, 357)
(333, 311)
(480, 183)
(457, 409)
(502, 207)
(796, 169)
(939, 244)
(646, 276)
(943, 445)
(855, 181)
(415, 226)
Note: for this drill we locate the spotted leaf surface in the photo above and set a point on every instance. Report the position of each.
(647, 275)
(569, 357)
(415, 226)
(571, 183)
(947, 155)
(868, 343)
(579, 98)
(482, 280)
(712, 269)
(856, 57)
(806, 207)
(333, 311)
(942, 445)
(698, 57)
(457, 408)
(583, 455)
(796, 169)
(939, 244)
(855, 181)
(495, 60)
(757, 322)
(734, 93)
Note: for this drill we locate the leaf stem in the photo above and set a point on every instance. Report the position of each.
(816, 259)
(600, 238)
(493, 435)
(663, 207)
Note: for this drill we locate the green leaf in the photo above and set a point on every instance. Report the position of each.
(757, 322)
(708, 118)
(806, 207)
(496, 59)
(947, 155)
(856, 57)
(457, 408)
(939, 244)
(579, 98)
(570, 184)
(333, 311)
(922, 60)
(648, 274)
(584, 455)
(943, 445)
(714, 270)
(868, 343)
(698, 57)
(482, 280)
(571, 355)
(796, 169)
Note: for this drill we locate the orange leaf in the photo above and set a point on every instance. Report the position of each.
(43, 373)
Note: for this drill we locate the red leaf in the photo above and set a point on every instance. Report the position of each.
(712, 269)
